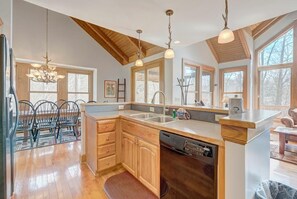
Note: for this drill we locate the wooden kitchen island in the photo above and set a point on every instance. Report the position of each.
(115, 139)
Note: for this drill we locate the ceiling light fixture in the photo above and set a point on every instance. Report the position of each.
(169, 53)
(44, 73)
(139, 61)
(226, 35)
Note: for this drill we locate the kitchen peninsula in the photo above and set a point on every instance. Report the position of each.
(127, 137)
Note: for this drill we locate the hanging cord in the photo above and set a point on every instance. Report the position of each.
(226, 14)
(170, 32)
(139, 47)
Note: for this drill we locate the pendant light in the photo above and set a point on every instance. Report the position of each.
(226, 35)
(139, 61)
(169, 53)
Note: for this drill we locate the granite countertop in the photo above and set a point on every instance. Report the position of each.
(250, 118)
(205, 131)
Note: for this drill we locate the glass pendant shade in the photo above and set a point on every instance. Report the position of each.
(36, 65)
(226, 36)
(169, 54)
(139, 62)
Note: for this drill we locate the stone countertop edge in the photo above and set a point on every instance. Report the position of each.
(250, 119)
(212, 109)
(204, 131)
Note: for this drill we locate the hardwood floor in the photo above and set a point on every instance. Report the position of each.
(55, 172)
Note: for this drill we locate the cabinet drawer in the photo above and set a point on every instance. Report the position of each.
(106, 126)
(106, 150)
(149, 134)
(105, 163)
(105, 138)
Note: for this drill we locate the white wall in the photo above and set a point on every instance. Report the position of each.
(6, 16)
(198, 53)
(68, 44)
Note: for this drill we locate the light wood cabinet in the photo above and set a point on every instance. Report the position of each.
(141, 154)
(148, 165)
(129, 153)
(103, 144)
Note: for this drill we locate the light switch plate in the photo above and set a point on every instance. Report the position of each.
(121, 107)
(152, 109)
(218, 117)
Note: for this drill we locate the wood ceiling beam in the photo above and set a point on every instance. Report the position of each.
(213, 50)
(265, 25)
(110, 43)
(134, 42)
(244, 44)
(104, 41)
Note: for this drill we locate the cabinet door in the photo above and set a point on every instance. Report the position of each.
(129, 153)
(149, 165)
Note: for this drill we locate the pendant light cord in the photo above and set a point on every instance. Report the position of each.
(225, 17)
(139, 47)
(170, 32)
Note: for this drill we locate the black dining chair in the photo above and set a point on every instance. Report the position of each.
(26, 122)
(39, 102)
(60, 102)
(27, 101)
(46, 118)
(80, 101)
(68, 119)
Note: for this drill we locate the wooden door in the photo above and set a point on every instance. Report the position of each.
(129, 153)
(149, 166)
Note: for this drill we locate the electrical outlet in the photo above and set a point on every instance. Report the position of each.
(121, 107)
(218, 117)
(152, 109)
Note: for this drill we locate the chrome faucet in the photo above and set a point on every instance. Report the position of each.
(164, 99)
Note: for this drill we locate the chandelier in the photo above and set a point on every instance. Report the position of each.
(44, 73)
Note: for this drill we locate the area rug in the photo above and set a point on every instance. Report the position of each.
(126, 186)
(290, 151)
(25, 144)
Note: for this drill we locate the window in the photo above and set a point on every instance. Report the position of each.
(200, 83)
(207, 84)
(146, 81)
(275, 64)
(78, 87)
(233, 83)
(77, 84)
(39, 90)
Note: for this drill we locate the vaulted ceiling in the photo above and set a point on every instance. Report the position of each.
(193, 20)
(122, 47)
(238, 49)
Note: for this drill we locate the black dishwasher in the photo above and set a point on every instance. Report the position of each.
(188, 168)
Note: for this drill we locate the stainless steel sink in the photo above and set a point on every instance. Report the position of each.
(144, 115)
(161, 119)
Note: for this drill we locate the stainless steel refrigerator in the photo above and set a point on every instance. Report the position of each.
(9, 119)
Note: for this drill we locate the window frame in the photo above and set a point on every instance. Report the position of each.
(90, 82)
(153, 64)
(244, 86)
(292, 66)
(200, 68)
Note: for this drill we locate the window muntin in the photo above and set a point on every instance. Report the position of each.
(279, 51)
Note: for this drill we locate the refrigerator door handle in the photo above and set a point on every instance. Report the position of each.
(13, 92)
